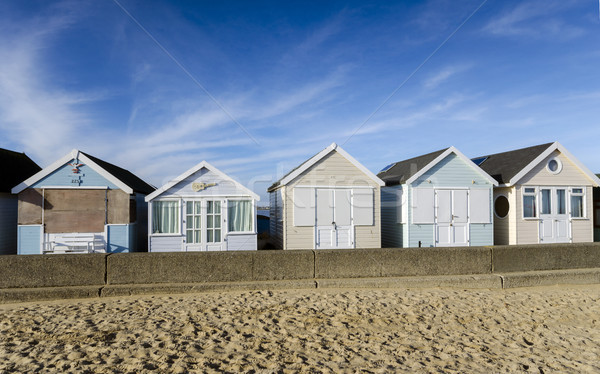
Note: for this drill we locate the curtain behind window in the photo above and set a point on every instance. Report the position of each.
(165, 217)
(240, 215)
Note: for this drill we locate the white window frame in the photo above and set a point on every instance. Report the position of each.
(558, 163)
(537, 202)
(180, 224)
(583, 198)
(253, 229)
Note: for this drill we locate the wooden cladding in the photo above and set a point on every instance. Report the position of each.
(74, 210)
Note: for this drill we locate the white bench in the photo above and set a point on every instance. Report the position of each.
(76, 243)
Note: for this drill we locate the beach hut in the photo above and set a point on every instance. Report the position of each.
(440, 199)
(14, 168)
(81, 204)
(203, 209)
(544, 195)
(329, 201)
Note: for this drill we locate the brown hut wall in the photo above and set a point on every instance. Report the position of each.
(118, 207)
(30, 207)
(73, 210)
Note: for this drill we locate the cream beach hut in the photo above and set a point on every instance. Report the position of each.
(544, 195)
(203, 209)
(329, 201)
(439, 199)
(82, 204)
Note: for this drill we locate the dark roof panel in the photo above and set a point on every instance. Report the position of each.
(404, 170)
(15, 168)
(124, 176)
(504, 166)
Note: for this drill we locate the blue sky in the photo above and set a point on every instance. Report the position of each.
(255, 88)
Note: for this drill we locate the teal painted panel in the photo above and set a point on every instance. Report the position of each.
(29, 240)
(481, 234)
(117, 240)
(65, 177)
(423, 233)
(451, 172)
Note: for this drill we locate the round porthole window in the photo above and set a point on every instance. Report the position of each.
(501, 206)
(554, 166)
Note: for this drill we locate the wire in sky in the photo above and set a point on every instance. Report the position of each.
(415, 71)
(185, 71)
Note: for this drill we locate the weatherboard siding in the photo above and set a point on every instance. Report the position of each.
(583, 229)
(29, 240)
(527, 230)
(64, 177)
(481, 234)
(8, 223)
(223, 187)
(570, 175)
(333, 170)
(166, 243)
(241, 242)
(452, 171)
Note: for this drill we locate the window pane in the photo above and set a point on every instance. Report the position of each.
(197, 222)
(189, 236)
(189, 222)
(553, 165)
(217, 235)
(529, 206)
(560, 202)
(209, 222)
(197, 236)
(209, 236)
(188, 207)
(501, 206)
(210, 207)
(577, 206)
(240, 215)
(546, 202)
(165, 217)
(577, 190)
(198, 207)
(529, 190)
(217, 207)
(217, 221)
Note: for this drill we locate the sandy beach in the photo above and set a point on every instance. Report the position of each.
(540, 330)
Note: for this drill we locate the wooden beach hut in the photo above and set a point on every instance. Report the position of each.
(439, 199)
(329, 201)
(203, 209)
(81, 204)
(544, 195)
(14, 168)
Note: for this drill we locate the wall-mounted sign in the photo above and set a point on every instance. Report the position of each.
(76, 167)
(201, 186)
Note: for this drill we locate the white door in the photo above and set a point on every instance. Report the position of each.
(451, 221)
(554, 219)
(203, 226)
(333, 228)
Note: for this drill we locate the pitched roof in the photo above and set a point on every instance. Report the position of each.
(15, 168)
(316, 158)
(402, 171)
(504, 166)
(124, 179)
(125, 176)
(191, 171)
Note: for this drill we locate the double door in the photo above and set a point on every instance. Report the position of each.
(554, 217)
(204, 225)
(451, 218)
(334, 227)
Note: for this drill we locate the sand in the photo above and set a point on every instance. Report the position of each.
(551, 329)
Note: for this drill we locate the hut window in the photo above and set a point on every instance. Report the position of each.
(577, 199)
(240, 215)
(165, 217)
(554, 166)
(193, 220)
(501, 206)
(529, 205)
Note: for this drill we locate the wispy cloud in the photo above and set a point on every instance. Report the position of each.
(535, 19)
(444, 75)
